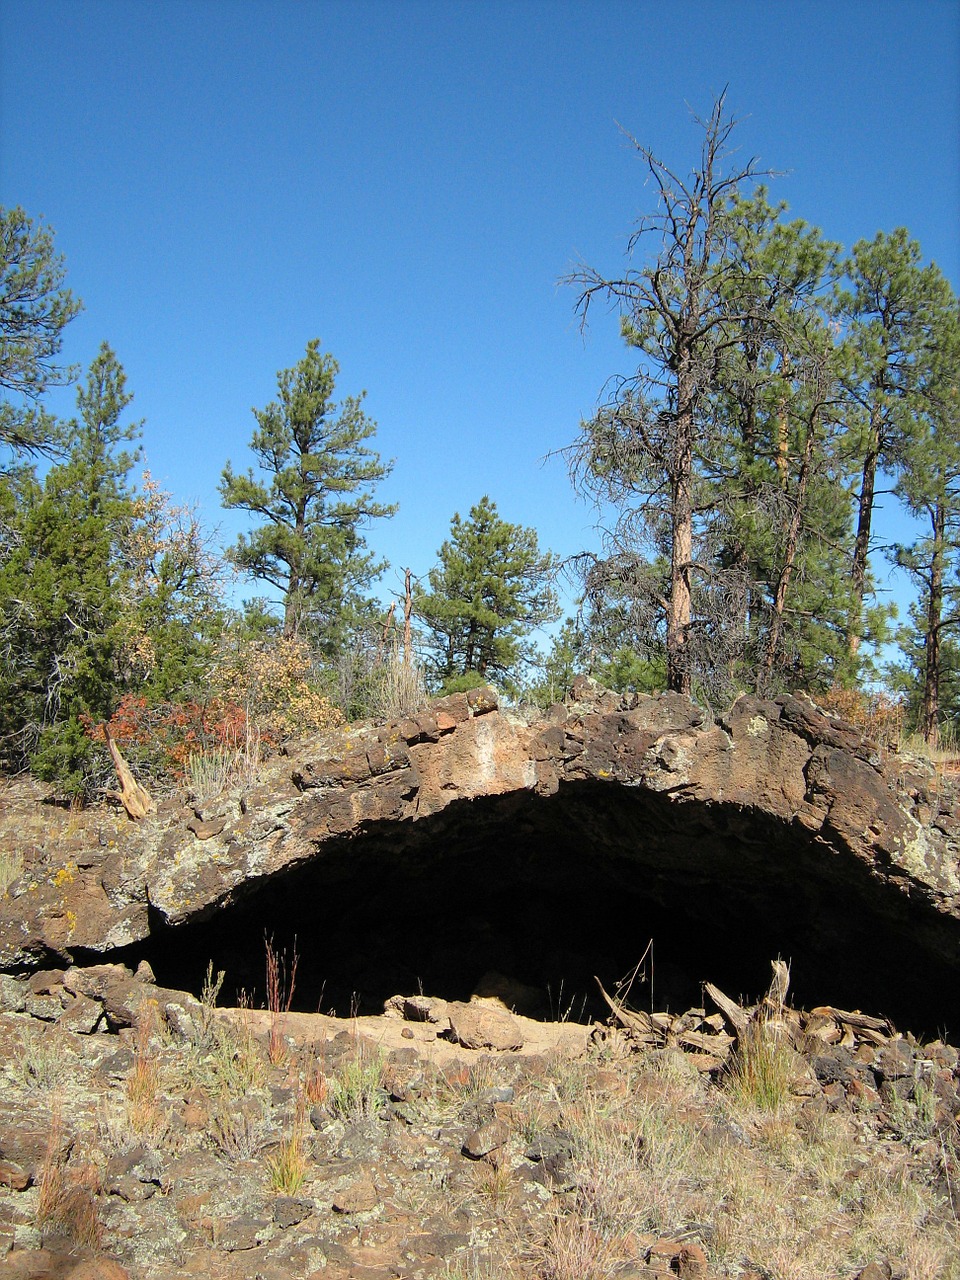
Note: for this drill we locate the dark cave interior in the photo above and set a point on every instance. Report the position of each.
(555, 891)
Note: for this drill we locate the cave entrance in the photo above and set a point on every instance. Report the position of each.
(552, 892)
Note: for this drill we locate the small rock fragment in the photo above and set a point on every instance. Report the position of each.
(83, 1015)
(359, 1197)
(13, 1175)
(489, 1137)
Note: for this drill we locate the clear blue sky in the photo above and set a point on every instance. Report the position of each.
(407, 181)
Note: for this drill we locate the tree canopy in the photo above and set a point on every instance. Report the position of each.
(491, 588)
(313, 496)
(777, 384)
(35, 308)
(779, 391)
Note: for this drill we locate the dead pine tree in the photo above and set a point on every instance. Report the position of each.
(680, 312)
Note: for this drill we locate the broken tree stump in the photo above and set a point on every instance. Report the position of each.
(136, 799)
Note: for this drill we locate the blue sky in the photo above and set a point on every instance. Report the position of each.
(408, 182)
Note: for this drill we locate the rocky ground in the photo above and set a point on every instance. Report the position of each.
(144, 1133)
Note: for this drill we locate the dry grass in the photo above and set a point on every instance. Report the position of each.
(762, 1068)
(801, 1208)
(577, 1249)
(224, 1060)
(281, 982)
(356, 1088)
(789, 1191)
(756, 1175)
(374, 680)
(315, 1085)
(67, 1201)
(288, 1164)
(633, 1162)
(144, 1112)
(11, 867)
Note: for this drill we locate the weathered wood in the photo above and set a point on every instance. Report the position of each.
(823, 1028)
(776, 997)
(862, 1021)
(738, 1018)
(136, 799)
(719, 1045)
(633, 1020)
(868, 1035)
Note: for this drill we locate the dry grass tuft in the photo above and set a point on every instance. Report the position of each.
(315, 1085)
(67, 1200)
(576, 1249)
(281, 982)
(762, 1067)
(288, 1164)
(143, 1083)
(356, 1088)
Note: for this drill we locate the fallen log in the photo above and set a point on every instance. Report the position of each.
(717, 1045)
(856, 1019)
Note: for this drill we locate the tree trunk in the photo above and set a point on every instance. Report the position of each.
(930, 709)
(470, 660)
(385, 631)
(680, 604)
(791, 546)
(407, 615)
(291, 606)
(783, 444)
(861, 550)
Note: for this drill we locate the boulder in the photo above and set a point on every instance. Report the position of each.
(477, 1026)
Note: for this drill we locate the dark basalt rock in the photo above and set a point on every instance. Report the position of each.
(466, 839)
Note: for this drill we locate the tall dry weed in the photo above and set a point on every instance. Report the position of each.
(281, 983)
(143, 1081)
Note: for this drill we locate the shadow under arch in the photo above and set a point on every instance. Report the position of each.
(551, 891)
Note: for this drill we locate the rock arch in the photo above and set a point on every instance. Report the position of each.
(468, 839)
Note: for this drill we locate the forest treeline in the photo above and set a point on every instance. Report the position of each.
(781, 388)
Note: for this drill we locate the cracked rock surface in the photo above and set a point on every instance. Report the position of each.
(468, 838)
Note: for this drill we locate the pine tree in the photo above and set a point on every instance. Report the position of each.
(890, 307)
(59, 586)
(489, 592)
(314, 501)
(782, 506)
(34, 310)
(929, 485)
(595, 645)
(722, 456)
